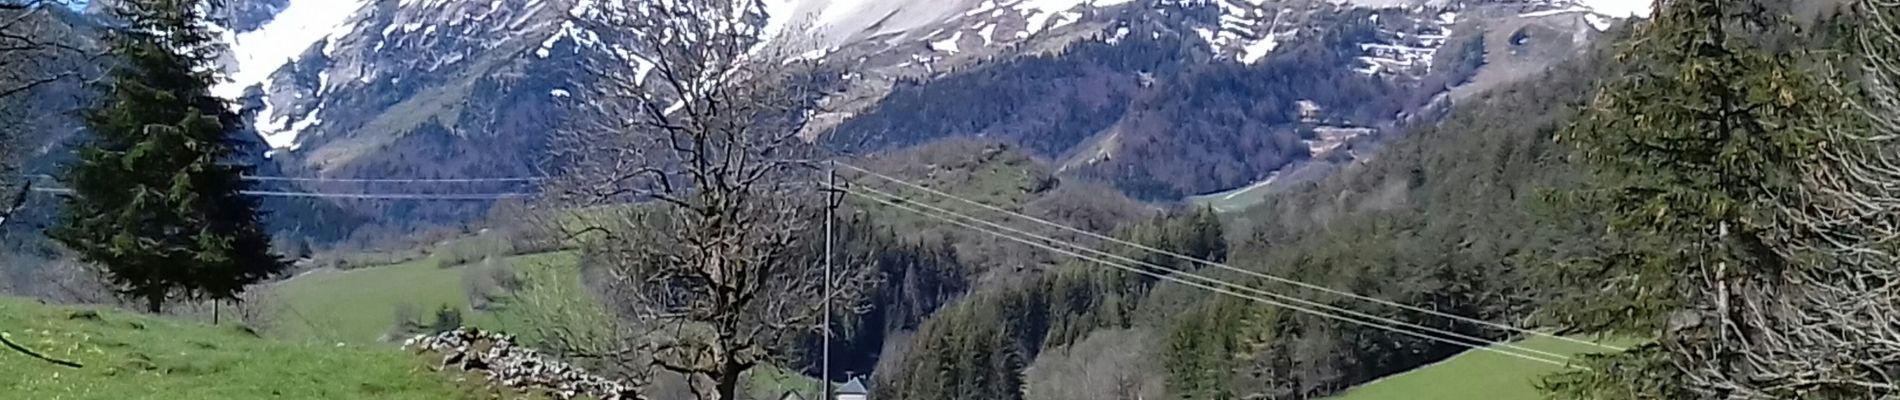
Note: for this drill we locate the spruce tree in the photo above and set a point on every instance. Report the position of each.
(1694, 151)
(156, 197)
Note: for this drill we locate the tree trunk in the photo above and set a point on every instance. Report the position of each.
(728, 383)
(154, 303)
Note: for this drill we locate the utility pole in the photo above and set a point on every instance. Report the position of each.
(831, 207)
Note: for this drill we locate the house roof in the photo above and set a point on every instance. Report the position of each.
(853, 387)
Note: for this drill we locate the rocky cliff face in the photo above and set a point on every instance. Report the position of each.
(475, 75)
(469, 89)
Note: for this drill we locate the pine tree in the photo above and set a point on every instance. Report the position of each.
(1205, 237)
(156, 198)
(1197, 353)
(1693, 149)
(1007, 366)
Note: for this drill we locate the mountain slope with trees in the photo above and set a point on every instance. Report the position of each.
(1151, 113)
(1448, 216)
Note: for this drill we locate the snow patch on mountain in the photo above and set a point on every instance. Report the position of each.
(1619, 8)
(1066, 5)
(1560, 11)
(948, 45)
(835, 23)
(1259, 49)
(1247, 30)
(260, 52)
(1600, 14)
(257, 53)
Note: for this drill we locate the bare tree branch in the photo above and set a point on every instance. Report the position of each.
(31, 45)
(31, 353)
(695, 196)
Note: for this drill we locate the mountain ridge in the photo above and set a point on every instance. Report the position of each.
(465, 88)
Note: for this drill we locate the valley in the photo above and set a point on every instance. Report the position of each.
(924, 200)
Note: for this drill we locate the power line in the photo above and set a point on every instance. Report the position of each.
(1231, 284)
(357, 196)
(389, 180)
(262, 178)
(1225, 266)
(393, 196)
(1473, 343)
(831, 211)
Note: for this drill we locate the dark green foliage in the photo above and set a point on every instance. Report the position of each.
(409, 323)
(1201, 348)
(980, 345)
(1695, 151)
(918, 277)
(446, 319)
(968, 351)
(1451, 217)
(1642, 373)
(1688, 149)
(1085, 296)
(1446, 217)
(156, 197)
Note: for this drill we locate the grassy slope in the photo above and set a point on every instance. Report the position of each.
(1234, 200)
(359, 306)
(130, 356)
(1472, 375)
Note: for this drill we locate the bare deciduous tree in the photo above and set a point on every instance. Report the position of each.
(27, 46)
(696, 195)
(36, 49)
(30, 44)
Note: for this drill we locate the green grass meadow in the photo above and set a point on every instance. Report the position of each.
(359, 306)
(1474, 375)
(129, 356)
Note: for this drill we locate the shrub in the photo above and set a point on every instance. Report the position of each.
(446, 319)
(489, 283)
(407, 322)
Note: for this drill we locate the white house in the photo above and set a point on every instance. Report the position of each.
(853, 390)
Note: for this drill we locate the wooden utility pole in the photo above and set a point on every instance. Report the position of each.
(831, 207)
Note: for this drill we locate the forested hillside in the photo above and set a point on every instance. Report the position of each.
(1700, 204)
(926, 264)
(1449, 218)
(1444, 218)
(1465, 216)
(1148, 111)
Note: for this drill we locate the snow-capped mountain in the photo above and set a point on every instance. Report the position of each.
(315, 58)
(470, 88)
(272, 40)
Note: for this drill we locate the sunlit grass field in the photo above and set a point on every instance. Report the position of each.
(129, 356)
